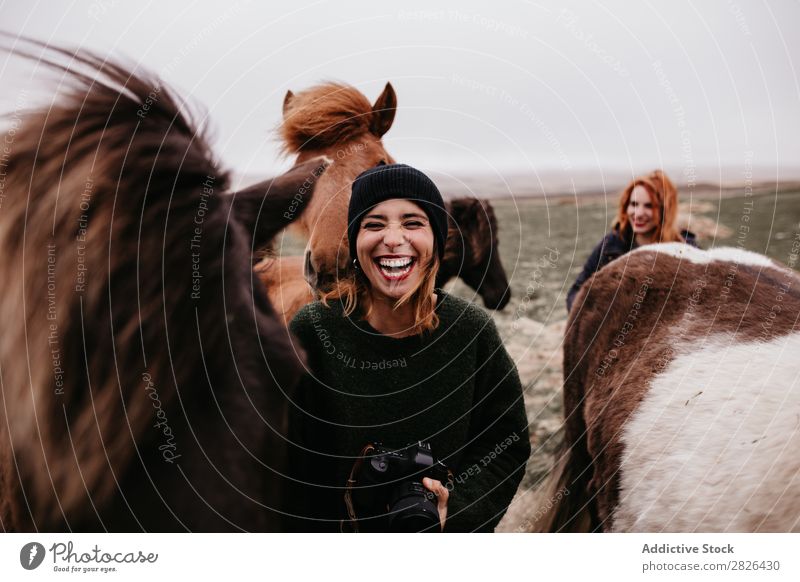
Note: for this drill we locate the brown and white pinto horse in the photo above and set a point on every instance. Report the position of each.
(336, 121)
(681, 396)
(467, 255)
(143, 374)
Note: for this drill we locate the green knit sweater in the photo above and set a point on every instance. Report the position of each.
(455, 387)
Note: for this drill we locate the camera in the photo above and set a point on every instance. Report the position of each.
(385, 491)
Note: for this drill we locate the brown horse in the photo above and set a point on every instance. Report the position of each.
(681, 396)
(143, 374)
(467, 255)
(336, 121)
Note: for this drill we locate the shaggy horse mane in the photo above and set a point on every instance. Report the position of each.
(324, 115)
(91, 184)
(132, 332)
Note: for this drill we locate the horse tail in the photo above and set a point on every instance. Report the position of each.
(567, 503)
(100, 191)
(564, 504)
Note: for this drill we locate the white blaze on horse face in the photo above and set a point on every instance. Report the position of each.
(713, 445)
(394, 243)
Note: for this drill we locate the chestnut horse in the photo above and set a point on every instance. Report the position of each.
(336, 121)
(143, 374)
(285, 283)
(681, 396)
(467, 255)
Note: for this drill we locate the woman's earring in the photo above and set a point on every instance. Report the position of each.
(355, 264)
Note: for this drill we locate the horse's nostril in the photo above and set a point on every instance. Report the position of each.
(325, 281)
(309, 272)
(499, 301)
(504, 299)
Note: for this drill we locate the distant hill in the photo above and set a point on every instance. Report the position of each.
(592, 182)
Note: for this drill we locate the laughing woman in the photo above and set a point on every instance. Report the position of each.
(393, 360)
(647, 213)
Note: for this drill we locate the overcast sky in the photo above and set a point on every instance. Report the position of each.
(483, 87)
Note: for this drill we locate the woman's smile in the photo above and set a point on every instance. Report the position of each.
(394, 237)
(395, 267)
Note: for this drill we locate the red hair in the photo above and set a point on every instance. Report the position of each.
(664, 197)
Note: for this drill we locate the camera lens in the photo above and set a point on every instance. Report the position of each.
(412, 508)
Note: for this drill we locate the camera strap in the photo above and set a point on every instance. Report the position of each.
(348, 492)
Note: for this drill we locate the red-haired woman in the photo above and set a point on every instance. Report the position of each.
(648, 211)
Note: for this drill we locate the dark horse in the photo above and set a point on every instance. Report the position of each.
(143, 372)
(472, 251)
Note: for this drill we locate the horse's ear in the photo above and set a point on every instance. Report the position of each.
(383, 111)
(286, 101)
(269, 206)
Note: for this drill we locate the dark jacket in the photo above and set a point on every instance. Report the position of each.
(613, 246)
(456, 388)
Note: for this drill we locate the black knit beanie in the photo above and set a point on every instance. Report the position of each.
(385, 182)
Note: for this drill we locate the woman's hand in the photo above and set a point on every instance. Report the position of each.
(442, 494)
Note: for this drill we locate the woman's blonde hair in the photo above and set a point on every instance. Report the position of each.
(664, 197)
(354, 291)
